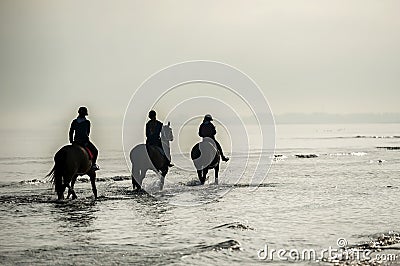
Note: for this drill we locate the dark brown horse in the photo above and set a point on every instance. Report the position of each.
(71, 161)
(205, 156)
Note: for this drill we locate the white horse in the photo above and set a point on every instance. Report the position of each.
(145, 157)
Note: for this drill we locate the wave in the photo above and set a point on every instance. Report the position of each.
(50, 197)
(370, 137)
(234, 225)
(45, 180)
(230, 244)
(389, 147)
(278, 157)
(34, 181)
(253, 185)
(375, 137)
(27, 199)
(378, 243)
(358, 153)
(281, 157)
(196, 182)
(85, 179)
(310, 155)
(81, 179)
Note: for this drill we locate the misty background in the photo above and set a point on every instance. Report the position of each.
(315, 61)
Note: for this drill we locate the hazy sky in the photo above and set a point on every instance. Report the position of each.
(307, 56)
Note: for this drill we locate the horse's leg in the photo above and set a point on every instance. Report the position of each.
(200, 175)
(67, 179)
(135, 175)
(141, 176)
(136, 185)
(164, 172)
(60, 193)
(205, 172)
(71, 190)
(72, 186)
(92, 175)
(133, 181)
(216, 171)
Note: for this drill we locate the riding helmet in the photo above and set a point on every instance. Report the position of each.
(208, 117)
(83, 110)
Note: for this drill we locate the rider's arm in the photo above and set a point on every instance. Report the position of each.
(200, 131)
(159, 128)
(147, 130)
(71, 132)
(88, 131)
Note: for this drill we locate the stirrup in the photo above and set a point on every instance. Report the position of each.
(95, 167)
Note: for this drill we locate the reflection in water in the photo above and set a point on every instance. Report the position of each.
(77, 213)
(75, 220)
(152, 210)
(142, 206)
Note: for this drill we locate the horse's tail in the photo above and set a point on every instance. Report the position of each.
(56, 174)
(51, 174)
(195, 153)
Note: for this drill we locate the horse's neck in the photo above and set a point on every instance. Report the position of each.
(165, 142)
(164, 138)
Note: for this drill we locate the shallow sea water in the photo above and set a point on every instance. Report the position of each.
(351, 190)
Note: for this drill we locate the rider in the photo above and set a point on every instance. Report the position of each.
(207, 129)
(153, 131)
(81, 127)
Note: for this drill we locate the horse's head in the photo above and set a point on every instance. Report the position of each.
(166, 132)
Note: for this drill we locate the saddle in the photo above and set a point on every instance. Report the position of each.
(155, 152)
(85, 148)
(89, 153)
(151, 149)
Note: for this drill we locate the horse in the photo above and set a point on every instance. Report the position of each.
(147, 157)
(205, 156)
(70, 162)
